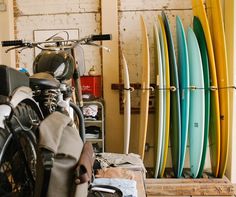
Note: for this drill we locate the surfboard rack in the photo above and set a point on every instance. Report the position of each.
(214, 88)
(138, 86)
(171, 88)
(131, 89)
(134, 86)
(187, 186)
(135, 102)
(227, 87)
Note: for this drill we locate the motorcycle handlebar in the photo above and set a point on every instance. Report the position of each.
(9, 43)
(101, 37)
(22, 43)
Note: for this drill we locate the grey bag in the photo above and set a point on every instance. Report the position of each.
(60, 146)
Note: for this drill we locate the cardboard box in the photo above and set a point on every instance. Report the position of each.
(91, 85)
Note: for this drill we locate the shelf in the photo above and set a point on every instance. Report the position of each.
(98, 112)
(94, 139)
(93, 121)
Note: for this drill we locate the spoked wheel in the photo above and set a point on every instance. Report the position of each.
(18, 153)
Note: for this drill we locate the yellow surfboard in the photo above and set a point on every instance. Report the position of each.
(167, 110)
(230, 24)
(218, 39)
(144, 102)
(214, 130)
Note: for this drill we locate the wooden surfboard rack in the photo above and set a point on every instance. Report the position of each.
(186, 186)
(135, 86)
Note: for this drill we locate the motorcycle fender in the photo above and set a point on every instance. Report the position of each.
(5, 111)
(20, 94)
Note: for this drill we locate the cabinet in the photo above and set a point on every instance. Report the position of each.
(93, 112)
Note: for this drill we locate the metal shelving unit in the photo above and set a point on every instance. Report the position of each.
(98, 121)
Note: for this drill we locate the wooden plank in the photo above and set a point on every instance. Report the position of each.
(183, 181)
(138, 177)
(189, 187)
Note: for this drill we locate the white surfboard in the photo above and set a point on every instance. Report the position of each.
(159, 101)
(127, 106)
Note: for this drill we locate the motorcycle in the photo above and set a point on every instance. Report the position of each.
(26, 101)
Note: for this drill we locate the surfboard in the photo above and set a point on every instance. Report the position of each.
(145, 84)
(214, 129)
(159, 100)
(183, 70)
(127, 106)
(197, 104)
(166, 82)
(229, 23)
(175, 118)
(197, 27)
(218, 39)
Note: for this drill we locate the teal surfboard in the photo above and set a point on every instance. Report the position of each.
(198, 30)
(175, 118)
(159, 118)
(197, 104)
(183, 70)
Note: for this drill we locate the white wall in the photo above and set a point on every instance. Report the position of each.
(53, 14)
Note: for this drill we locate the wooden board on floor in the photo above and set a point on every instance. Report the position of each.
(189, 187)
(138, 177)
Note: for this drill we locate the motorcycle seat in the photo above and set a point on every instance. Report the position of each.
(44, 81)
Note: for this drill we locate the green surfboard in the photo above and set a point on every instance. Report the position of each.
(175, 111)
(203, 49)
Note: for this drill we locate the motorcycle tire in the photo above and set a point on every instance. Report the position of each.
(18, 152)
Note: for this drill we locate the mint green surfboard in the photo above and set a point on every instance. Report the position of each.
(197, 27)
(197, 104)
(183, 70)
(175, 118)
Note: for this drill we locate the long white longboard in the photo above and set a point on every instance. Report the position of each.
(127, 106)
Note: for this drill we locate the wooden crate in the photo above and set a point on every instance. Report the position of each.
(207, 186)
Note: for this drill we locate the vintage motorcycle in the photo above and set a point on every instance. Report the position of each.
(26, 101)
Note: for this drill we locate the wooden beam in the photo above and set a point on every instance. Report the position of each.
(110, 61)
(7, 33)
